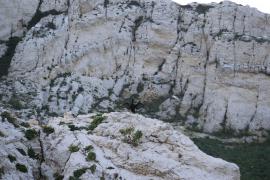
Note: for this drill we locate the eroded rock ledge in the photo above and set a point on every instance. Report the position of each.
(111, 146)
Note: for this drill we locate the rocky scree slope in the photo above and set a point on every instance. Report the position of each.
(108, 146)
(206, 66)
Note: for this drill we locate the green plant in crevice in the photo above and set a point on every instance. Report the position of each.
(97, 120)
(73, 148)
(58, 176)
(21, 167)
(79, 172)
(25, 124)
(48, 130)
(91, 156)
(31, 134)
(89, 148)
(31, 153)
(131, 136)
(11, 158)
(12, 120)
(15, 103)
(93, 168)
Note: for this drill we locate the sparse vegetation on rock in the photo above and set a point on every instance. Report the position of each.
(21, 167)
(97, 119)
(91, 156)
(73, 148)
(48, 130)
(11, 158)
(15, 103)
(6, 115)
(131, 136)
(31, 134)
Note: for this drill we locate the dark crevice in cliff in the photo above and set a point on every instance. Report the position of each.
(205, 66)
(12, 43)
(203, 9)
(223, 124)
(256, 107)
(234, 52)
(5, 60)
(105, 4)
(41, 160)
(39, 15)
(133, 3)
(137, 24)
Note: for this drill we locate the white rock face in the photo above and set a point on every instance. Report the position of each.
(14, 16)
(208, 63)
(161, 152)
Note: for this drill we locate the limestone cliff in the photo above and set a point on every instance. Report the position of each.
(206, 66)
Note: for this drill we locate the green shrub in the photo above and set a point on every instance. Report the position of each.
(58, 176)
(78, 173)
(15, 103)
(93, 168)
(73, 127)
(130, 136)
(31, 153)
(31, 134)
(91, 156)
(88, 148)
(97, 120)
(25, 124)
(10, 118)
(11, 158)
(21, 167)
(136, 138)
(48, 130)
(73, 148)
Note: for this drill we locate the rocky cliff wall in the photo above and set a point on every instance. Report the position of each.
(206, 66)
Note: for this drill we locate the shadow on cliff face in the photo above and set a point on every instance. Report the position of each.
(7, 57)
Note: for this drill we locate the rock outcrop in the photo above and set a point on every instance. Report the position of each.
(206, 66)
(108, 146)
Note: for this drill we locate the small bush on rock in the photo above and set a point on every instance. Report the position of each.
(88, 148)
(97, 120)
(58, 176)
(78, 173)
(31, 153)
(11, 158)
(91, 156)
(21, 167)
(25, 124)
(15, 103)
(93, 168)
(6, 115)
(73, 148)
(48, 130)
(131, 136)
(31, 134)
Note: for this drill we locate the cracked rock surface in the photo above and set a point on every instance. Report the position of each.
(206, 66)
(160, 153)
